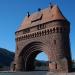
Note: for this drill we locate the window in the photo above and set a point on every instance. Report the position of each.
(26, 30)
(55, 42)
(41, 26)
(55, 65)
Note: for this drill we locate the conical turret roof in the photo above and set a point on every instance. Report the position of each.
(43, 16)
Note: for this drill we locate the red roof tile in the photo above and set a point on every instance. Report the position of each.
(45, 15)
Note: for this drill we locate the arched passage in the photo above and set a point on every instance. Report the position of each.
(41, 62)
(42, 57)
(28, 55)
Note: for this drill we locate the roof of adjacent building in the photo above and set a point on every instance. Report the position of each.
(49, 14)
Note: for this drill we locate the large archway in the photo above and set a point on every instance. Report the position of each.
(28, 55)
(41, 62)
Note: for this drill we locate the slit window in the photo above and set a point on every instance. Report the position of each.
(55, 42)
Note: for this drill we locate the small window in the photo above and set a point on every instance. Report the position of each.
(41, 26)
(26, 31)
(55, 42)
(55, 65)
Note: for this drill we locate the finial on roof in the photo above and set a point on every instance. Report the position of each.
(51, 4)
(28, 14)
(39, 9)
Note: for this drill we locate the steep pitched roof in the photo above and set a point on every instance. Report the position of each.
(43, 16)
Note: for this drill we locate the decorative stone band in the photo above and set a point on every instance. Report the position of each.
(42, 32)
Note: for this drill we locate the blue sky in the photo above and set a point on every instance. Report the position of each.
(12, 13)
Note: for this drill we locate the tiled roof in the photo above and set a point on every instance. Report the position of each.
(43, 16)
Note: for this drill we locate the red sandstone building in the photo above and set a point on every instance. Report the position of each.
(44, 31)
